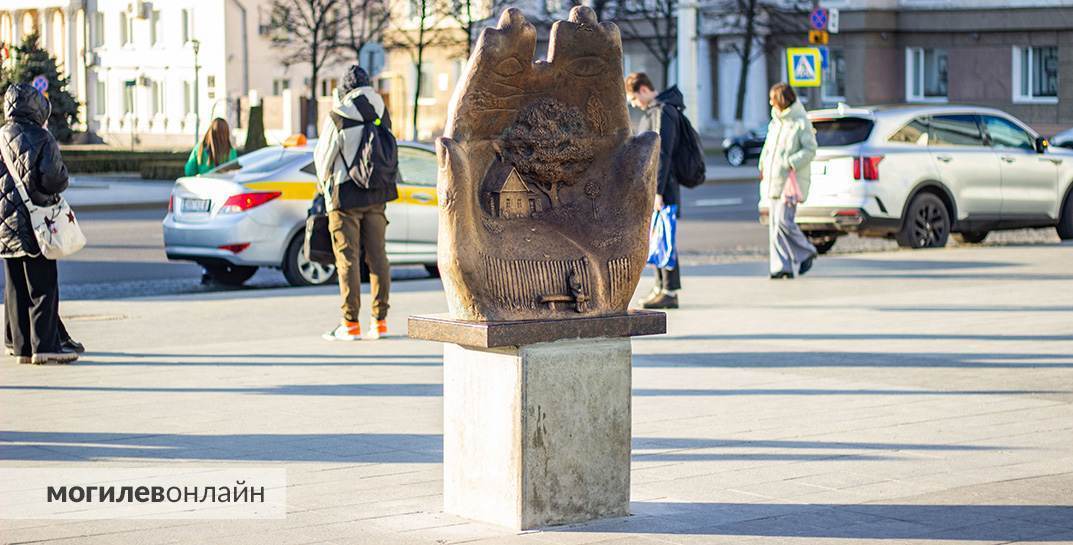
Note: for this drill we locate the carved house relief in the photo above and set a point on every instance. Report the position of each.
(513, 198)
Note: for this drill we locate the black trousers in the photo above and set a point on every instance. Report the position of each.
(32, 305)
(668, 279)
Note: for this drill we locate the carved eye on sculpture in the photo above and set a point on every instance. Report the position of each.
(585, 67)
(509, 67)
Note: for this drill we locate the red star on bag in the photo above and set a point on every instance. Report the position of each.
(71, 216)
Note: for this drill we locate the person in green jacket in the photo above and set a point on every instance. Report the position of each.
(214, 149)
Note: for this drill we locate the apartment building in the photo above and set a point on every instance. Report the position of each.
(1016, 55)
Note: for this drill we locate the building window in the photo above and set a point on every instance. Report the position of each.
(1035, 74)
(327, 86)
(427, 88)
(834, 82)
(185, 14)
(188, 98)
(280, 85)
(157, 88)
(128, 97)
(100, 98)
(925, 74)
(98, 29)
(124, 28)
(154, 27)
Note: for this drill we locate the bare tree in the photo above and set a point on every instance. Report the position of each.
(307, 31)
(364, 22)
(547, 145)
(429, 25)
(756, 21)
(654, 23)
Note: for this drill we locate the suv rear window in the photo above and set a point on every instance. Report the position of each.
(842, 131)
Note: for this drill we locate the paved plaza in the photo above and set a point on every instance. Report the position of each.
(899, 397)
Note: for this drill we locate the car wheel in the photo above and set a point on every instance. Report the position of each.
(972, 237)
(735, 155)
(433, 270)
(1065, 221)
(300, 271)
(228, 275)
(823, 242)
(927, 225)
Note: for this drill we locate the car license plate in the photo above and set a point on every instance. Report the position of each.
(819, 168)
(196, 205)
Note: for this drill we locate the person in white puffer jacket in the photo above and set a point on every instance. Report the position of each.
(785, 164)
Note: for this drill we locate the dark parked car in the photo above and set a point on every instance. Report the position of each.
(1063, 139)
(741, 148)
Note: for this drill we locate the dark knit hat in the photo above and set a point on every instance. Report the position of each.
(355, 77)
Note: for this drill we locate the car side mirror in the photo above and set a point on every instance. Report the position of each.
(1041, 144)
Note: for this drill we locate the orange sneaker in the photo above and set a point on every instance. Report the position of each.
(380, 331)
(346, 331)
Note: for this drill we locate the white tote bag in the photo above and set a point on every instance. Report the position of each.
(55, 227)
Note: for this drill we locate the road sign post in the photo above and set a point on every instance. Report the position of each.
(804, 66)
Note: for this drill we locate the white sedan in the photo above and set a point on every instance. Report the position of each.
(251, 213)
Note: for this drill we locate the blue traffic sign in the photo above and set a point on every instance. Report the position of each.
(40, 83)
(818, 18)
(824, 54)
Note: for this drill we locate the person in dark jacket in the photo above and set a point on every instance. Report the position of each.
(662, 114)
(356, 215)
(31, 157)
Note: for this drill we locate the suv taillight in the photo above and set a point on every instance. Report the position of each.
(245, 201)
(866, 168)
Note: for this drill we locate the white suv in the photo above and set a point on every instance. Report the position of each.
(918, 173)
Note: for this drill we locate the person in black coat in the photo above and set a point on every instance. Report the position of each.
(662, 114)
(30, 156)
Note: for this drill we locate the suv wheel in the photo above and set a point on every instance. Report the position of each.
(735, 155)
(228, 275)
(926, 225)
(1065, 221)
(299, 270)
(972, 237)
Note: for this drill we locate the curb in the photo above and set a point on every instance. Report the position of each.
(107, 207)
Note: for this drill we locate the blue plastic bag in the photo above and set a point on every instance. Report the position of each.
(661, 249)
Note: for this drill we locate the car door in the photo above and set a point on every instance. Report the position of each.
(968, 167)
(1029, 179)
(417, 195)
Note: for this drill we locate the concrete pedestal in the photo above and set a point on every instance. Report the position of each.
(537, 434)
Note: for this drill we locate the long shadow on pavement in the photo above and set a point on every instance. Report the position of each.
(854, 359)
(403, 448)
(989, 523)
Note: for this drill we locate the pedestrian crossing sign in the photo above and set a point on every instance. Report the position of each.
(803, 66)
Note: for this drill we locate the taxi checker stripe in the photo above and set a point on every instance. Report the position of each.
(415, 195)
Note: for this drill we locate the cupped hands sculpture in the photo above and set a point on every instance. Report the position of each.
(545, 198)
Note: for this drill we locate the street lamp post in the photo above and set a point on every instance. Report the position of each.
(197, 111)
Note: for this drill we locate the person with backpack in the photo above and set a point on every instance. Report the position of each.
(681, 162)
(785, 174)
(357, 169)
(30, 159)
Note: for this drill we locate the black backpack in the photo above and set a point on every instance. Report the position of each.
(376, 162)
(687, 159)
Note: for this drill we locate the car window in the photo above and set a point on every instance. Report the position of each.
(262, 161)
(310, 169)
(954, 130)
(842, 131)
(417, 166)
(915, 132)
(1006, 134)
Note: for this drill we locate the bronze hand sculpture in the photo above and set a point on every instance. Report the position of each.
(545, 198)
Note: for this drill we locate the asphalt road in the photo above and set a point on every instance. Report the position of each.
(125, 257)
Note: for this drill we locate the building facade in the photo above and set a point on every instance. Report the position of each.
(1016, 55)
